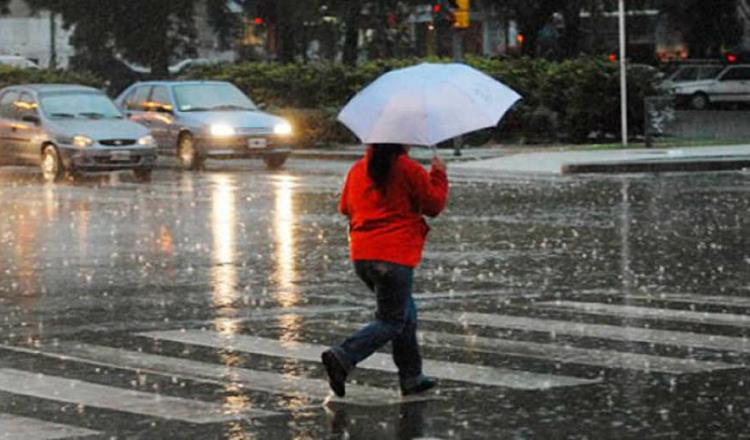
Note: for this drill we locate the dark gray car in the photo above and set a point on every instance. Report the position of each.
(70, 129)
(199, 120)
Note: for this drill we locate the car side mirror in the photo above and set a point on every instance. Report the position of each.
(262, 105)
(164, 108)
(34, 119)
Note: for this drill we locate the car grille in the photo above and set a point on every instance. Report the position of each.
(255, 130)
(108, 161)
(117, 142)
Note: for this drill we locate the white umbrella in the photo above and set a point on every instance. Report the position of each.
(426, 104)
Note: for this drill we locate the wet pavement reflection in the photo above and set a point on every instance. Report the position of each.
(624, 301)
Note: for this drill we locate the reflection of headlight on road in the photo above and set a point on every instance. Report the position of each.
(82, 141)
(282, 128)
(146, 141)
(222, 130)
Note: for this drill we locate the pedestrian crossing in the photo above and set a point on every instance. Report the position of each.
(475, 374)
(25, 428)
(131, 401)
(310, 386)
(600, 331)
(569, 354)
(628, 311)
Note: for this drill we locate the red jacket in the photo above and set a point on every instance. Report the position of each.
(389, 226)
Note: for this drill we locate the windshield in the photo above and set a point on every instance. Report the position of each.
(90, 105)
(205, 97)
(696, 73)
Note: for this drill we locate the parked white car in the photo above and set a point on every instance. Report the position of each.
(691, 72)
(730, 85)
(17, 61)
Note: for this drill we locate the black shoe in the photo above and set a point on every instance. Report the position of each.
(336, 373)
(417, 385)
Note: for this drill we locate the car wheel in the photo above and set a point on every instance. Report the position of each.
(51, 165)
(274, 161)
(699, 101)
(142, 174)
(188, 154)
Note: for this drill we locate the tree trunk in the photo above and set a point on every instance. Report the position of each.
(571, 38)
(285, 32)
(351, 33)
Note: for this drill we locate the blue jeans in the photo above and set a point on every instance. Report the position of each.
(395, 319)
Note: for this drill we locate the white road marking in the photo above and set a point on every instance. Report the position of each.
(476, 374)
(24, 428)
(568, 354)
(602, 331)
(316, 389)
(101, 396)
(626, 311)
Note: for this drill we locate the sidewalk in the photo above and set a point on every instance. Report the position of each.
(421, 154)
(551, 160)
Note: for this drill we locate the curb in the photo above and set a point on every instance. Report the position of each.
(695, 165)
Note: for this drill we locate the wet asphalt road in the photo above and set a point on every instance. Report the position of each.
(195, 306)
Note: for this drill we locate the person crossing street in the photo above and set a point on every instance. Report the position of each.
(385, 197)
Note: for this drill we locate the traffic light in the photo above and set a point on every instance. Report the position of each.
(442, 11)
(461, 18)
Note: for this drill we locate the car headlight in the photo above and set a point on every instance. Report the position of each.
(146, 141)
(282, 128)
(81, 141)
(222, 130)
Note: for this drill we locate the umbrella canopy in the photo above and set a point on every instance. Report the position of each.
(426, 104)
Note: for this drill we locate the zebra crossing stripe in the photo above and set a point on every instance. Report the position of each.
(568, 354)
(626, 311)
(476, 374)
(583, 356)
(680, 298)
(24, 428)
(317, 389)
(601, 331)
(101, 396)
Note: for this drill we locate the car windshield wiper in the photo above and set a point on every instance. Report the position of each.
(92, 115)
(62, 115)
(231, 107)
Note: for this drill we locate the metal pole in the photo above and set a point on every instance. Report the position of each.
(458, 56)
(52, 41)
(623, 77)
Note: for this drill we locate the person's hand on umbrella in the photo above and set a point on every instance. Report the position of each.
(437, 164)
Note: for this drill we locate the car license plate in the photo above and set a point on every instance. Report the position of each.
(256, 143)
(119, 156)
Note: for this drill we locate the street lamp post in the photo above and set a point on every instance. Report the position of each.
(623, 77)
(457, 43)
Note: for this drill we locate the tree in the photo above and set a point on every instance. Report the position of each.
(291, 24)
(142, 31)
(531, 16)
(707, 27)
(571, 38)
(4, 6)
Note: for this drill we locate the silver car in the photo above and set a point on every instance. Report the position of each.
(199, 120)
(70, 129)
(730, 84)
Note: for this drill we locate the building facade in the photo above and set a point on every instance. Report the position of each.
(40, 37)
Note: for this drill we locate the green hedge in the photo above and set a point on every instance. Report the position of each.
(12, 75)
(575, 100)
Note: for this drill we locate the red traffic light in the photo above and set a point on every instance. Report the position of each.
(437, 8)
(612, 57)
(259, 21)
(731, 58)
